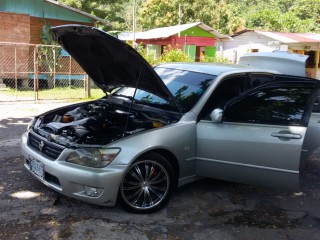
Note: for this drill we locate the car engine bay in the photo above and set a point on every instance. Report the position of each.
(100, 122)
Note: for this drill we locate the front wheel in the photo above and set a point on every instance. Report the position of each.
(147, 184)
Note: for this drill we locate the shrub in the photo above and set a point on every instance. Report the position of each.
(174, 54)
(215, 59)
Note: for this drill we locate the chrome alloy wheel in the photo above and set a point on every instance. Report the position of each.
(145, 185)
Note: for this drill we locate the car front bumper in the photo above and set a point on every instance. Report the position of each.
(74, 180)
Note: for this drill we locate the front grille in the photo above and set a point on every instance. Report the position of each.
(51, 179)
(42, 145)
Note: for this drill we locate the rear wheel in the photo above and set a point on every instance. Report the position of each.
(147, 184)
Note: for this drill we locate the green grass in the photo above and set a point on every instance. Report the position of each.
(56, 93)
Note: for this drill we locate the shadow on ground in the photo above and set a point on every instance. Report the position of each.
(206, 209)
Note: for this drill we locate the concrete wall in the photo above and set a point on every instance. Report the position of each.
(245, 43)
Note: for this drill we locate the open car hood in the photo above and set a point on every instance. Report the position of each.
(109, 62)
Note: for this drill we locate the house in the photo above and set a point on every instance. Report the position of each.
(24, 21)
(193, 38)
(248, 41)
(23, 24)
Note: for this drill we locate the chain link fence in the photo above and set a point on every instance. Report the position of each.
(41, 72)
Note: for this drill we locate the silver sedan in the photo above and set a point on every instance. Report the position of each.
(160, 128)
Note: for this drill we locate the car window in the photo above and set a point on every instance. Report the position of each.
(259, 79)
(316, 105)
(228, 89)
(186, 86)
(275, 106)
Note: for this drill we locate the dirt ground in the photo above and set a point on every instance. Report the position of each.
(207, 209)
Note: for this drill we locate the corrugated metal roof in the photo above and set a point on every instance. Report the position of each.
(292, 37)
(286, 37)
(166, 32)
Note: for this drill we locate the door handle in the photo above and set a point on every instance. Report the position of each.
(286, 135)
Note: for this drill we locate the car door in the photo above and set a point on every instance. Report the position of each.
(312, 139)
(259, 140)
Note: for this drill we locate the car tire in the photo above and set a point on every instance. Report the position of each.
(147, 184)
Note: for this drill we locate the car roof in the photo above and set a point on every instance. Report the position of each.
(208, 68)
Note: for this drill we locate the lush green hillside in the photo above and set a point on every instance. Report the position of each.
(228, 16)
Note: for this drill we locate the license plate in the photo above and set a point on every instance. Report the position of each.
(37, 167)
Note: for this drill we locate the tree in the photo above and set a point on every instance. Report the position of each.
(307, 10)
(279, 15)
(109, 10)
(159, 13)
(216, 13)
(226, 16)
(48, 55)
(282, 22)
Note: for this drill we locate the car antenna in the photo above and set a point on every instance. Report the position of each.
(132, 100)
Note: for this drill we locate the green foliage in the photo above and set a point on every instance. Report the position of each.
(280, 15)
(109, 10)
(171, 54)
(174, 54)
(229, 16)
(45, 35)
(215, 59)
(282, 22)
(226, 16)
(159, 13)
(147, 56)
(265, 19)
(58, 93)
(49, 55)
(162, 13)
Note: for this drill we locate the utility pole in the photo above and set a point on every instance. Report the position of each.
(219, 15)
(134, 24)
(179, 18)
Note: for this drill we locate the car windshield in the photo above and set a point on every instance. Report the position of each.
(187, 87)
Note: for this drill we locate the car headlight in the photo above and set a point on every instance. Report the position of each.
(31, 123)
(93, 157)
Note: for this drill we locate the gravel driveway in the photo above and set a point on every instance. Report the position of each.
(206, 209)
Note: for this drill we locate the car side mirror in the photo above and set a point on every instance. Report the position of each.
(216, 115)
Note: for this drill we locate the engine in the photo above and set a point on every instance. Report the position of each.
(97, 123)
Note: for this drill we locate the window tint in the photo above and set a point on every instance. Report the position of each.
(228, 89)
(258, 79)
(186, 86)
(280, 106)
(316, 105)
